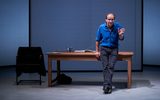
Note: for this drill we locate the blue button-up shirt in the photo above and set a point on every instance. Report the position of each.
(107, 37)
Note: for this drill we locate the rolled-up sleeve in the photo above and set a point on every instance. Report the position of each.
(98, 35)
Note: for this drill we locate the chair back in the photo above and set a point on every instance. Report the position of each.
(29, 55)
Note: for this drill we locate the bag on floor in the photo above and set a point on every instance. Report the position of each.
(64, 79)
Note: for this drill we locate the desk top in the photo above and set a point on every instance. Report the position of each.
(86, 53)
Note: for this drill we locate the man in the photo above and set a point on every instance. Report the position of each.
(107, 38)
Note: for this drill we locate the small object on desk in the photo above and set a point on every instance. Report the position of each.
(56, 52)
(86, 50)
(70, 49)
(79, 50)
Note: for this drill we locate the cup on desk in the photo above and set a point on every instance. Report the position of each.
(69, 49)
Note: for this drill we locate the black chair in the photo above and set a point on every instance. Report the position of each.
(30, 60)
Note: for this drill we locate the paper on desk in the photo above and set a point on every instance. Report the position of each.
(84, 50)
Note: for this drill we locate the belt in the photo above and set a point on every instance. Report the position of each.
(109, 47)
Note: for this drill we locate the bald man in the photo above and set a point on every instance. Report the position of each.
(107, 37)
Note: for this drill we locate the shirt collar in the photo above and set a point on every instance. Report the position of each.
(107, 26)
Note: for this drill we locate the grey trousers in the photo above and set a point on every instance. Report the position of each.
(108, 58)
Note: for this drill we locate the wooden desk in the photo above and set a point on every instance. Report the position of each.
(84, 56)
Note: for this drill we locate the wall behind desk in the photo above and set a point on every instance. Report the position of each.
(151, 35)
(59, 24)
(14, 28)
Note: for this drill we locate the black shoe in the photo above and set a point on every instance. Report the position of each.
(108, 90)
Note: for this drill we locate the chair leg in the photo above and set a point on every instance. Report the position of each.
(40, 80)
(17, 82)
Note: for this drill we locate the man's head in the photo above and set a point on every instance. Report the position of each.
(110, 19)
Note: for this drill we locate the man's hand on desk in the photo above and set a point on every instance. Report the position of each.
(98, 55)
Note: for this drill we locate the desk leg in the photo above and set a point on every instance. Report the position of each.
(58, 68)
(129, 72)
(49, 72)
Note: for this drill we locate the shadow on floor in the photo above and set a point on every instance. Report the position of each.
(119, 84)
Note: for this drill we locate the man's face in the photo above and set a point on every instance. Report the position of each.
(110, 20)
